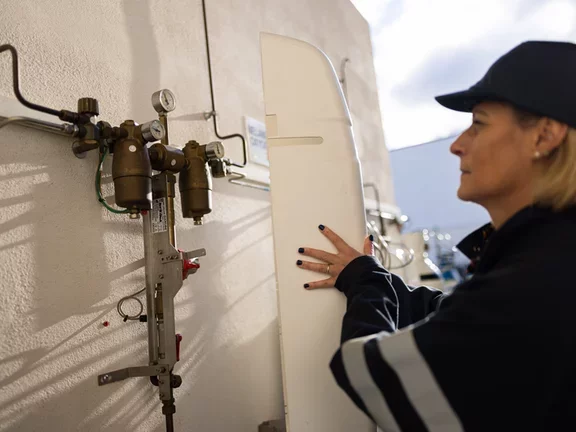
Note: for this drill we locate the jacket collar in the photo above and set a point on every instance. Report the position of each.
(476, 243)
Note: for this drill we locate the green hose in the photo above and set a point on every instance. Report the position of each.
(99, 186)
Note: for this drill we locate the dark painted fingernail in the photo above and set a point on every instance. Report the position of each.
(298, 262)
(321, 227)
(301, 250)
(371, 237)
(306, 286)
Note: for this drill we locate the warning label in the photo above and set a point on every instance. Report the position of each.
(159, 216)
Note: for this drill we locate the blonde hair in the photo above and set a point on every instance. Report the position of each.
(556, 184)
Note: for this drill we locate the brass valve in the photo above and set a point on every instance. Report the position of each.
(131, 167)
(195, 180)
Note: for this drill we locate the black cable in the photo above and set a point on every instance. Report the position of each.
(16, 83)
(213, 113)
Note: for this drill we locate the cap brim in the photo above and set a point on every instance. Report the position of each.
(465, 101)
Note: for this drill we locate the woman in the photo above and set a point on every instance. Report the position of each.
(499, 353)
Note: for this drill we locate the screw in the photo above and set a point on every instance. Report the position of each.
(161, 395)
(161, 276)
(162, 370)
(106, 378)
(160, 252)
(160, 382)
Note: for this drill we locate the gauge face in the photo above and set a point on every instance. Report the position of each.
(164, 101)
(215, 150)
(153, 131)
(219, 150)
(157, 130)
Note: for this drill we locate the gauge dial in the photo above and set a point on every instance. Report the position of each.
(153, 131)
(215, 150)
(164, 101)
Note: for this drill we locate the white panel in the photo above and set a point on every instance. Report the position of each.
(315, 178)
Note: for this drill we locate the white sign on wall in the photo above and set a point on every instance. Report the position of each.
(256, 133)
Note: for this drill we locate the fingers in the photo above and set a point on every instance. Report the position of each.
(335, 269)
(326, 283)
(319, 254)
(336, 240)
(317, 267)
(369, 245)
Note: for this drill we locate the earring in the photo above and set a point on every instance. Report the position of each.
(537, 155)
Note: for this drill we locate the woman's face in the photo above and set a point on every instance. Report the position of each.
(496, 156)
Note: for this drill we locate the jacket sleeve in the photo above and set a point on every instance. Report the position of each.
(458, 367)
(379, 300)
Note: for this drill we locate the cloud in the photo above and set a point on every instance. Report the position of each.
(423, 49)
(446, 71)
(389, 13)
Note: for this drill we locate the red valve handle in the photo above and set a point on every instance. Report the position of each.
(188, 265)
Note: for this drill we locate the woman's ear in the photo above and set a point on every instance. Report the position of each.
(552, 134)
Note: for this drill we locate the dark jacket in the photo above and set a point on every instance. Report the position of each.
(498, 354)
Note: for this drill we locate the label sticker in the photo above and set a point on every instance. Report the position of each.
(159, 216)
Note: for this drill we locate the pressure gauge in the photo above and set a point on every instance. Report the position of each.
(153, 131)
(214, 150)
(163, 101)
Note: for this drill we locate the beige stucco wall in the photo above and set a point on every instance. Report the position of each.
(65, 261)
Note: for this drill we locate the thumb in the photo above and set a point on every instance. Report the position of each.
(369, 245)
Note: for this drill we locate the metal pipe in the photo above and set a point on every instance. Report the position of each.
(169, 422)
(241, 180)
(377, 195)
(16, 84)
(213, 113)
(150, 263)
(65, 129)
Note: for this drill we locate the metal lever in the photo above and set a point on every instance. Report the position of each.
(194, 254)
(137, 371)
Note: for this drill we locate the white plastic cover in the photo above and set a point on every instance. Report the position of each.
(315, 179)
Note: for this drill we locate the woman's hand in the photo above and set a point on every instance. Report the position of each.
(333, 263)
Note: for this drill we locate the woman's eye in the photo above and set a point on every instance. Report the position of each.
(477, 122)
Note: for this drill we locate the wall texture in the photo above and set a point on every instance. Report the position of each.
(66, 261)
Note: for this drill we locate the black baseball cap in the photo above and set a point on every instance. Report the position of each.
(538, 77)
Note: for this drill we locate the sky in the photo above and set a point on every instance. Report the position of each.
(424, 48)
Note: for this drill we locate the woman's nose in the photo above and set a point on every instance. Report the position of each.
(457, 146)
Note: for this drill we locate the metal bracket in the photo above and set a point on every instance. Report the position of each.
(131, 372)
(194, 254)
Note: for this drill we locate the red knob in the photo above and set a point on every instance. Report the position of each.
(188, 265)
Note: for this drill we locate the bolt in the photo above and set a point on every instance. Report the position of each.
(106, 378)
(134, 215)
(160, 252)
(161, 395)
(161, 276)
(162, 370)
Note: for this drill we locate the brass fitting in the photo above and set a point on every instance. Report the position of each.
(195, 183)
(132, 170)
